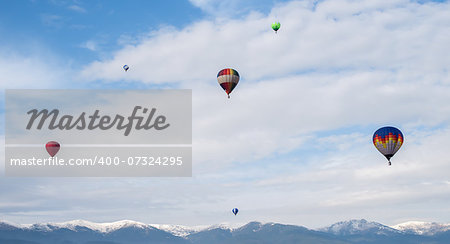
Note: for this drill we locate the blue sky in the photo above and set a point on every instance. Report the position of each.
(66, 26)
(299, 124)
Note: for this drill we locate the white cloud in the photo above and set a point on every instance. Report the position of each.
(230, 8)
(40, 70)
(91, 45)
(77, 8)
(409, 37)
(337, 64)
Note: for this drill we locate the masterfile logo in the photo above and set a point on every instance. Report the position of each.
(95, 121)
(99, 116)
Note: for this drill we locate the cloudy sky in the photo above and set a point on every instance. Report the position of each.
(292, 145)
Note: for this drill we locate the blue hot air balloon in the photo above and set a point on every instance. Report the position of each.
(126, 67)
(235, 211)
(388, 141)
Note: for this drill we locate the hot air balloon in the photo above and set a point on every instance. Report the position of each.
(126, 67)
(276, 26)
(52, 148)
(388, 140)
(235, 211)
(228, 79)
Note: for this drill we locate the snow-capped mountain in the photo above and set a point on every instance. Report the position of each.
(422, 228)
(100, 227)
(76, 225)
(132, 232)
(81, 231)
(352, 227)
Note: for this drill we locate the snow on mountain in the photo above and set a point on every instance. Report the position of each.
(179, 230)
(422, 228)
(100, 227)
(8, 225)
(227, 226)
(252, 226)
(74, 224)
(131, 232)
(352, 227)
(183, 231)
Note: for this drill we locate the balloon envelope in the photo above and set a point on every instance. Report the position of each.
(388, 141)
(276, 26)
(125, 67)
(228, 80)
(235, 211)
(52, 148)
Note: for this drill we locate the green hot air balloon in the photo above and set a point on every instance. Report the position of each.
(276, 26)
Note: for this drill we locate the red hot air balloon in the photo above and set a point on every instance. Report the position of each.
(52, 148)
(228, 79)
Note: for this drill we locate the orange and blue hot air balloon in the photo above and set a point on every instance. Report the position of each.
(388, 141)
(228, 79)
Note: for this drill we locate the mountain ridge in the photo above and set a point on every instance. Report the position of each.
(357, 224)
(128, 231)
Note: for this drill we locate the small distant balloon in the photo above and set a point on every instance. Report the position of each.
(388, 141)
(235, 211)
(52, 148)
(276, 26)
(228, 80)
(126, 67)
